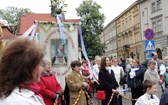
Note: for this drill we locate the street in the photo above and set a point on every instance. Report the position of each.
(124, 101)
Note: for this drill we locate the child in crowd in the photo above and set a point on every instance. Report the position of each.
(148, 98)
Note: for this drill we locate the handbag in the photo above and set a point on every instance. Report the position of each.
(101, 95)
(122, 78)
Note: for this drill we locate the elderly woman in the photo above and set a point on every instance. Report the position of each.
(50, 88)
(152, 75)
(20, 69)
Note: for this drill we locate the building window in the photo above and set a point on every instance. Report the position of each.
(157, 26)
(159, 23)
(153, 7)
(156, 6)
(154, 26)
(143, 14)
(159, 5)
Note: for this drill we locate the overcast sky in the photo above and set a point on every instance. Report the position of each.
(110, 8)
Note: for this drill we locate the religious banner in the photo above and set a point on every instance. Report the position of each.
(61, 55)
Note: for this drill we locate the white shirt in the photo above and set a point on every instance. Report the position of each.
(117, 72)
(23, 97)
(146, 100)
(95, 71)
(162, 69)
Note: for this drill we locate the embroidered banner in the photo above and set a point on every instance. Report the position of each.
(61, 55)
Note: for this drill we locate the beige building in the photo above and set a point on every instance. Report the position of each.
(129, 39)
(109, 38)
(122, 35)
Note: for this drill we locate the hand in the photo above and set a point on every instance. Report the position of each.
(115, 91)
(56, 100)
(85, 84)
(160, 82)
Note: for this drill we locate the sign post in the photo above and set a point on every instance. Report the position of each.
(149, 34)
(149, 43)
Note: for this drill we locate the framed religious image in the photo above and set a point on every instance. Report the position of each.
(59, 53)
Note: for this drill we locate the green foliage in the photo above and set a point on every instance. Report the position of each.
(11, 14)
(92, 26)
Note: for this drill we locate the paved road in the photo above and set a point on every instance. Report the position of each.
(124, 101)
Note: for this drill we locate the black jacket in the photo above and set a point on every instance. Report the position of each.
(108, 82)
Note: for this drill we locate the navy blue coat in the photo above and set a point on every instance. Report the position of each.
(135, 82)
(164, 100)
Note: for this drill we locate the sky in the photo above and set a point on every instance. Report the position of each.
(110, 8)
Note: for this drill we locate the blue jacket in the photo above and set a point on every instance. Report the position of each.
(135, 82)
(164, 100)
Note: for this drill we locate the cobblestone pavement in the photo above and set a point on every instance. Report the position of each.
(124, 101)
(127, 102)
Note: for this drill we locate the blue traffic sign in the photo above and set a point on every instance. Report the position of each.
(149, 54)
(149, 45)
(149, 34)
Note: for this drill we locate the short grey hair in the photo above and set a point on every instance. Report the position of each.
(45, 61)
(96, 57)
(151, 62)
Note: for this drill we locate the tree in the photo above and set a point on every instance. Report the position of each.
(92, 26)
(11, 15)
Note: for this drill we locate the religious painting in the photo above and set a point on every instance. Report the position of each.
(59, 53)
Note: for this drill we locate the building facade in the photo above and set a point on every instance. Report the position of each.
(109, 38)
(129, 39)
(154, 15)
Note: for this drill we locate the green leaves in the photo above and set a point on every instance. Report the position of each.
(11, 14)
(92, 26)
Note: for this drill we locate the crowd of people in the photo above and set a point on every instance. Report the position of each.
(148, 78)
(26, 78)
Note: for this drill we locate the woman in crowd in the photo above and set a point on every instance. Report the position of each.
(119, 73)
(20, 69)
(77, 84)
(50, 88)
(108, 82)
(153, 75)
(135, 79)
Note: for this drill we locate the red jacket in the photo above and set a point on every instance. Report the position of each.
(49, 88)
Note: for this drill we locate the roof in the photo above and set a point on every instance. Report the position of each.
(6, 32)
(27, 20)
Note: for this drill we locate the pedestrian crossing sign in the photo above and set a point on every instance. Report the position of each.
(149, 45)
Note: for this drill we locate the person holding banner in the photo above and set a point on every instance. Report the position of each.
(20, 69)
(108, 82)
